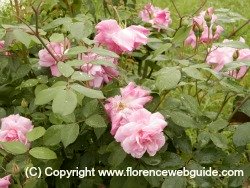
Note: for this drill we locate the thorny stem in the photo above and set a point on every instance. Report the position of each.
(238, 107)
(226, 98)
(163, 97)
(176, 9)
(36, 32)
(237, 30)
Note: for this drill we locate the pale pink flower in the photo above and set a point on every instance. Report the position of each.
(220, 56)
(143, 133)
(102, 74)
(15, 128)
(5, 182)
(159, 18)
(121, 106)
(119, 40)
(58, 49)
(208, 32)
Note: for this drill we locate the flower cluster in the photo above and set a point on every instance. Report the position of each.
(204, 29)
(5, 182)
(137, 129)
(220, 56)
(119, 40)
(158, 18)
(15, 128)
(102, 74)
(58, 50)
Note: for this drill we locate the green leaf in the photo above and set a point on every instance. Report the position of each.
(219, 140)
(81, 76)
(241, 136)
(29, 83)
(91, 93)
(47, 95)
(217, 125)
(22, 36)
(203, 138)
(76, 50)
(181, 35)
(56, 37)
(96, 121)
(233, 44)
(52, 135)
(90, 108)
(168, 78)
(14, 147)
(117, 156)
(69, 133)
(182, 119)
(104, 52)
(64, 102)
(80, 30)
(245, 108)
(75, 63)
(174, 182)
(65, 69)
(36, 133)
(171, 161)
(193, 73)
(162, 48)
(42, 153)
(104, 63)
(2, 113)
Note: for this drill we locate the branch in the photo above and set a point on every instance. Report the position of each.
(176, 9)
(237, 30)
(198, 10)
(238, 107)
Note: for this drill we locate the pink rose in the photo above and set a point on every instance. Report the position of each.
(119, 40)
(6, 53)
(5, 182)
(219, 56)
(46, 59)
(15, 128)
(102, 74)
(159, 18)
(121, 106)
(143, 133)
(204, 29)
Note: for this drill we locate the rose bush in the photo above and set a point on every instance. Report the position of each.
(130, 85)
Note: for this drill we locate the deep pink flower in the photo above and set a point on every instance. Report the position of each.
(15, 128)
(159, 18)
(5, 182)
(219, 56)
(119, 40)
(102, 74)
(46, 60)
(208, 32)
(143, 133)
(121, 106)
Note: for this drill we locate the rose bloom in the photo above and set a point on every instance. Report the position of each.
(121, 106)
(159, 18)
(209, 32)
(5, 182)
(15, 128)
(119, 40)
(220, 56)
(143, 133)
(58, 49)
(102, 74)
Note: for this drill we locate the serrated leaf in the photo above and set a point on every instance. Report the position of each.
(14, 147)
(91, 93)
(168, 78)
(47, 95)
(64, 102)
(42, 153)
(81, 76)
(217, 125)
(241, 136)
(36, 133)
(193, 73)
(65, 69)
(22, 36)
(219, 140)
(52, 135)
(76, 50)
(182, 119)
(69, 133)
(29, 83)
(96, 121)
(104, 52)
